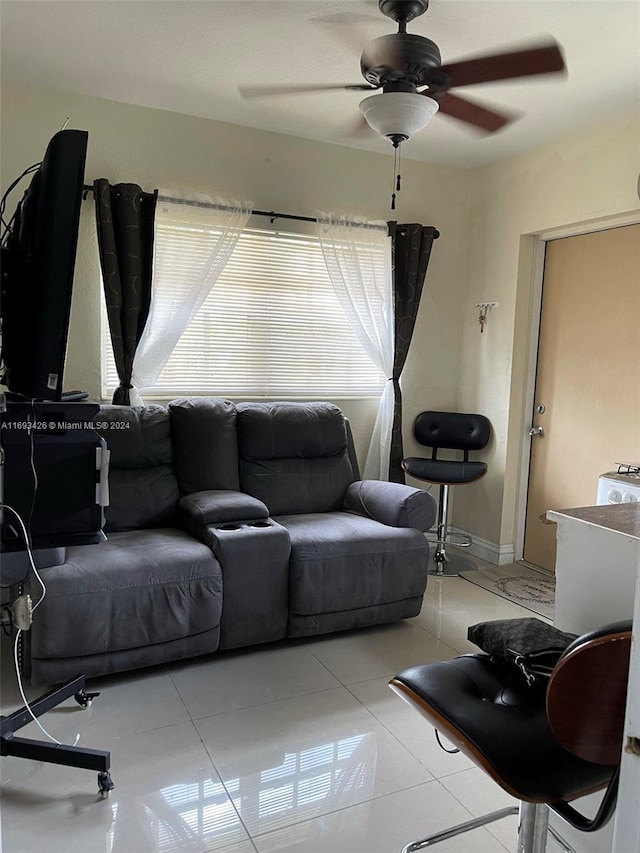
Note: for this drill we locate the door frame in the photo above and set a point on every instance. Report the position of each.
(532, 252)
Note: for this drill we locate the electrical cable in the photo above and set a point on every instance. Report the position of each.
(29, 553)
(19, 631)
(3, 200)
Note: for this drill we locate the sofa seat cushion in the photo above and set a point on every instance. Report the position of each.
(341, 561)
(138, 588)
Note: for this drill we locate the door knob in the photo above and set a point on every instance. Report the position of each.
(536, 431)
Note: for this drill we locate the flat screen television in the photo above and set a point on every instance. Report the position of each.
(38, 260)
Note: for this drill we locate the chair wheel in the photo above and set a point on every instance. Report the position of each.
(105, 785)
(84, 699)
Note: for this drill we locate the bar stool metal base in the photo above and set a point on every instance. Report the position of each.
(443, 564)
(533, 827)
(452, 566)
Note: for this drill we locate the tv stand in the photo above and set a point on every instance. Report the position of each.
(53, 753)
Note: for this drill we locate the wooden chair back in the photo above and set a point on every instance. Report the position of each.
(587, 693)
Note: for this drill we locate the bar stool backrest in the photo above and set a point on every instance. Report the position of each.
(586, 697)
(452, 431)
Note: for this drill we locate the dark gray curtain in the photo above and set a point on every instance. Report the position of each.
(125, 219)
(410, 252)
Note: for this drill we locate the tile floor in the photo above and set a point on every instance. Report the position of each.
(296, 747)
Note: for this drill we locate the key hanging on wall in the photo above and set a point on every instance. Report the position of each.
(483, 312)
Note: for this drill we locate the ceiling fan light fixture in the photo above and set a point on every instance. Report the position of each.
(398, 115)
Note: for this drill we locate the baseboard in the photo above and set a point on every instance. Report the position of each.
(498, 555)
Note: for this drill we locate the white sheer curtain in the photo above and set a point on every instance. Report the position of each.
(358, 258)
(194, 239)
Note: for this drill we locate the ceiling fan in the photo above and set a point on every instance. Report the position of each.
(415, 85)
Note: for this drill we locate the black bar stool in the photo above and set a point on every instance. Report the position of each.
(449, 431)
(545, 745)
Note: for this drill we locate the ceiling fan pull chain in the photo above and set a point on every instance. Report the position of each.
(396, 174)
(393, 195)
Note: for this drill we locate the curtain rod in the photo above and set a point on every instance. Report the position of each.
(87, 188)
(193, 203)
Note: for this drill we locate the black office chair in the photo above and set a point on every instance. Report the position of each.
(450, 431)
(544, 745)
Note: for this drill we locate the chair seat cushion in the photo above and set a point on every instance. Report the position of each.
(136, 589)
(489, 712)
(444, 471)
(341, 561)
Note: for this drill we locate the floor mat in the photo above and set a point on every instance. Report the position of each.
(527, 587)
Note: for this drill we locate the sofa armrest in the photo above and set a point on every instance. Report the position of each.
(219, 505)
(393, 504)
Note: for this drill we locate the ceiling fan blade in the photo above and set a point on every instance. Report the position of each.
(465, 110)
(347, 28)
(504, 66)
(346, 18)
(273, 91)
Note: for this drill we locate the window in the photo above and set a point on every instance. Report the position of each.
(271, 326)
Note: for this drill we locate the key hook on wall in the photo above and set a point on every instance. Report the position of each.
(483, 309)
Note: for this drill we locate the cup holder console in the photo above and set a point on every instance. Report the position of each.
(233, 526)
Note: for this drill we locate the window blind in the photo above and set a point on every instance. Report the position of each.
(270, 327)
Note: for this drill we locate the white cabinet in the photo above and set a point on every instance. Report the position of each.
(597, 571)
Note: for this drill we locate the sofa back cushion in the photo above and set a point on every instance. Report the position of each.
(205, 444)
(294, 456)
(143, 490)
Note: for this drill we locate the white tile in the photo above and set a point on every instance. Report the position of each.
(383, 825)
(409, 727)
(166, 789)
(480, 795)
(378, 652)
(293, 760)
(452, 604)
(244, 679)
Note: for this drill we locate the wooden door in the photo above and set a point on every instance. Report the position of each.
(587, 397)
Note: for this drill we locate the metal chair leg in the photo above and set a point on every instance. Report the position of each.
(533, 824)
(459, 829)
(446, 565)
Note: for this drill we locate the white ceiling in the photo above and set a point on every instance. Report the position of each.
(190, 57)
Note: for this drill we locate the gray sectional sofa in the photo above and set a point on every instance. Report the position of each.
(228, 525)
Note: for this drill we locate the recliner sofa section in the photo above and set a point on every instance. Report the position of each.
(358, 551)
(229, 525)
(151, 593)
